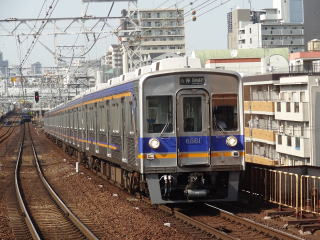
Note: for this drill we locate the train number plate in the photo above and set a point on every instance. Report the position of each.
(193, 140)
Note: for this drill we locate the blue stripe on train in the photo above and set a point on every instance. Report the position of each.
(99, 94)
(191, 144)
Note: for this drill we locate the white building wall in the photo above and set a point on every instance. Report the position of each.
(246, 68)
(272, 35)
(302, 126)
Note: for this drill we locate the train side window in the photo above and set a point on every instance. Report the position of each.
(225, 112)
(159, 114)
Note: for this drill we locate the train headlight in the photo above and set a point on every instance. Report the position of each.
(232, 141)
(154, 143)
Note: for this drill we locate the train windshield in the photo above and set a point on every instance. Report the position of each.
(159, 114)
(225, 112)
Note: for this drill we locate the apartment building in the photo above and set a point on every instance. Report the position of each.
(266, 30)
(162, 30)
(307, 62)
(235, 18)
(272, 33)
(113, 57)
(282, 119)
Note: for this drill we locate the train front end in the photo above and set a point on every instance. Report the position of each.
(191, 144)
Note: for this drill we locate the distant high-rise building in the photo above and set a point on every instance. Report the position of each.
(3, 65)
(289, 11)
(113, 60)
(36, 68)
(311, 20)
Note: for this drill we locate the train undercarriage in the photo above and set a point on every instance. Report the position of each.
(162, 188)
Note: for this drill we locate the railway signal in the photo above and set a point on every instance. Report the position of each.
(36, 96)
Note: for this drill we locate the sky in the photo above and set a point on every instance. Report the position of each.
(209, 31)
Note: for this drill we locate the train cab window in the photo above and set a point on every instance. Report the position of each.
(225, 112)
(159, 114)
(192, 114)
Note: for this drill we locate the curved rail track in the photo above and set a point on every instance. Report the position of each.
(220, 224)
(5, 133)
(45, 213)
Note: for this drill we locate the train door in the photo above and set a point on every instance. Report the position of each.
(123, 130)
(87, 127)
(108, 127)
(96, 127)
(193, 128)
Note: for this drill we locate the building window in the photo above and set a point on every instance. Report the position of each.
(289, 144)
(296, 107)
(297, 143)
(278, 106)
(288, 107)
(250, 40)
(250, 30)
(279, 139)
(302, 96)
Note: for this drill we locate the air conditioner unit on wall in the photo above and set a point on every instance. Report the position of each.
(281, 129)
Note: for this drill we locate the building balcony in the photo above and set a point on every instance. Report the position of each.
(162, 43)
(260, 160)
(293, 32)
(259, 107)
(260, 135)
(297, 42)
(302, 151)
(291, 112)
(283, 32)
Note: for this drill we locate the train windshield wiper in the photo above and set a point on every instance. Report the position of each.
(164, 128)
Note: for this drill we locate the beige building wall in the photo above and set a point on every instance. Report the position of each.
(237, 15)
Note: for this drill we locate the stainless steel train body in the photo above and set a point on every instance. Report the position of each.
(177, 132)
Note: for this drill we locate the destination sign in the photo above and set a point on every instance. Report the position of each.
(192, 81)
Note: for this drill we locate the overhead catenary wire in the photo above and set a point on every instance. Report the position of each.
(211, 9)
(163, 3)
(201, 6)
(38, 33)
(175, 5)
(190, 4)
(97, 38)
(34, 26)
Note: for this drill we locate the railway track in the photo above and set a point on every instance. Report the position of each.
(45, 213)
(220, 224)
(5, 133)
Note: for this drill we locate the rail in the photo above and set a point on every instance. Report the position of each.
(204, 227)
(276, 234)
(32, 229)
(300, 192)
(68, 213)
